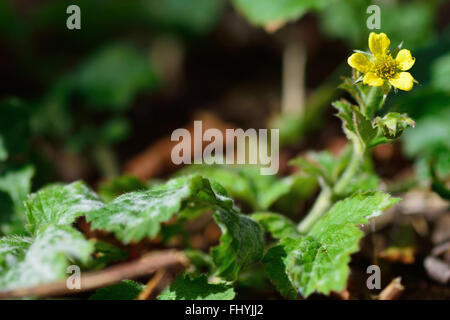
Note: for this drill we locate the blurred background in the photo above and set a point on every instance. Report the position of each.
(90, 103)
(98, 102)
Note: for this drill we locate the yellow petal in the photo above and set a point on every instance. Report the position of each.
(359, 62)
(404, 60)
(372, 80)
(402, 81)
(379, 44)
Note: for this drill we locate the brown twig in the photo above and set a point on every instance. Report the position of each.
(393, 290)
(151, 285)
(96, 279)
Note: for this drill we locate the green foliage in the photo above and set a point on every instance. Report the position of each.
(277, 225)
(28, 261)
(136, 215)
(440, 73)
(14, 186)
(430, 140)
(356, 126)
(321, 166)
(241, 244)
(113, 76)
(410, 22)
(393, 124)
(318, 261)
(260, 12)
(3, 151)
(104, 254)
(246, 184)
(125, 290)
(198, 288)
(193, 17)
(59, 205)
(45, 255)
(115, 187)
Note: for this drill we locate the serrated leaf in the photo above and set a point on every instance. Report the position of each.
(356, 126)
(277, 225)
(241, 243)
(135, 215)
(319, 261)
(393, 124)
(198, 288)
(246, 183)
(275, 264)
(124, 290)
(60, 205)
(28, 261)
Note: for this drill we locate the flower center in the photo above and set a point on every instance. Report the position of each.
(386, 68)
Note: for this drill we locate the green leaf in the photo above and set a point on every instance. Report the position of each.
(198, 288)
(320, 165)
(28, 261)
(60, 205)
(277, 225)
(276, 267)
(410, 22)
(393, 124)
(261, 12)
(124, 290)
(16, 184)
(135, 215)
(113, 76)
(441, 72)
(241, 243)
(319, 261)
(247, 184)
(3, 151)
(200, 261)
(356, 126)
(104, 253)
(113, 188)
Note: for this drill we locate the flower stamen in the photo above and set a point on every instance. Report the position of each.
(386, 68)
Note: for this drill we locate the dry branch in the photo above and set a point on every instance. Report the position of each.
(393, 290)
(96, 279)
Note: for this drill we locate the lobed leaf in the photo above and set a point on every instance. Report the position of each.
(60, 205)
(28, 261)
(318, 262)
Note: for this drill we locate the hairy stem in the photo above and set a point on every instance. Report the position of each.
(325, 198)
(352, 169)
(321, 204)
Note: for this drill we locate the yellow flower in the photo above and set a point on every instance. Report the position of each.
(380, 67)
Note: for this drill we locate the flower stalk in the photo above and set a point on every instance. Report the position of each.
(379, 71)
